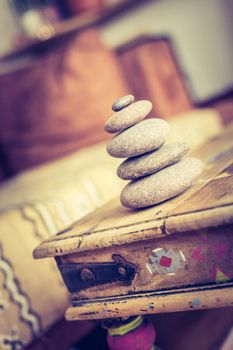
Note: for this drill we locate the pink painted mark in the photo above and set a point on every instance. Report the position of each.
(165, 261)
(220, 249)
(214, 272)
(142, 338)
(197, 255)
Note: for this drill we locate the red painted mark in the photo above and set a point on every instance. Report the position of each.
(197, 254)
(165, 261)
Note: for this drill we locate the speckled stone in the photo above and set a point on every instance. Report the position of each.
(122, 102)
(128, 116)
(143, 137)
(162, 185)
(136, 167)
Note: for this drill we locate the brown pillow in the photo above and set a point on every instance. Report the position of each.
(59, 102)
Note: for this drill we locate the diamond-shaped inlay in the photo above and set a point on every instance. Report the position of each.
(165, 261)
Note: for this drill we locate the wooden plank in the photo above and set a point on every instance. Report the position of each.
(92, 239)
(180, 250)
(189, 258)
(195, 298)
(207, 201)
(215, 194)
(208, 218)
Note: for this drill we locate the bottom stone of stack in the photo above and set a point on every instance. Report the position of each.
(162, 185)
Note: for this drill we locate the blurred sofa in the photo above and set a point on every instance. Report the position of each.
(35, 205)
(53, 106)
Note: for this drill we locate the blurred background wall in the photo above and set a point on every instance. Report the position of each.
(8, 27)
(201, 32)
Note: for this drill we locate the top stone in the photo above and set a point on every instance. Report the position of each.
(128, 116)
(122, 102)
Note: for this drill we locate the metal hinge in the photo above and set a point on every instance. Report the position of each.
(78, 276)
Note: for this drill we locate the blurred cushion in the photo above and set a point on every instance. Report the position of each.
(34, 206)
(195, 126)
(59, 102)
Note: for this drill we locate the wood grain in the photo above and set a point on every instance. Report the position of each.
(209, 200)
(197, 262)
(191, 234)
(186, 299)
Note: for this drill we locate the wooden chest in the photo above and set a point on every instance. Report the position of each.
(174, 256)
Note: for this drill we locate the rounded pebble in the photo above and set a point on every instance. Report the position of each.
(122, 102)
(163, 185)
(136, 167)
(128, 116)
(143, 137)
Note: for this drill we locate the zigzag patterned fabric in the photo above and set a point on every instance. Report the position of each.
(33, 207)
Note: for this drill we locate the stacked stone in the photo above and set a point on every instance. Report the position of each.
(157, 170)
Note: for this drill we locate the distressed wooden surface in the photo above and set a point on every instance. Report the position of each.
(182, 249)
(190, 258)
(195, 298)
(209, 202)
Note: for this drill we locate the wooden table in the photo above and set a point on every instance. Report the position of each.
(174, 256)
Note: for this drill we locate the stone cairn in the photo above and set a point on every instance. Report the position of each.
(157, 170)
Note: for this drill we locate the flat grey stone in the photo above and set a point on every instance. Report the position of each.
(163, 185)
(136, 167)
(143, 137)
(128, 116)
(122, 102)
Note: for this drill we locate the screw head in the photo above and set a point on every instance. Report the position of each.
(122, 271)
(87, 274)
